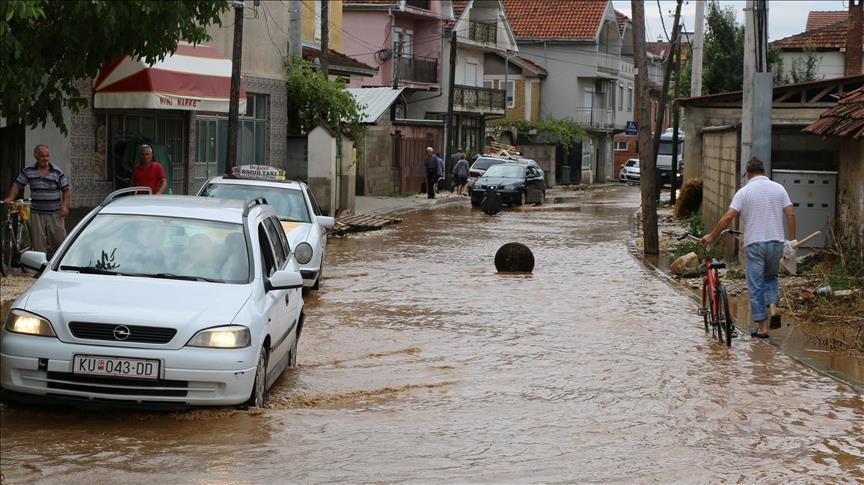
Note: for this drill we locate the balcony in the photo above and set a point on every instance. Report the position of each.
(607, 64)
(475, 99)
(483, 32)
(418, 69)
(600, 118)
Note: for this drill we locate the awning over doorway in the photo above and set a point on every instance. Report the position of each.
(193, 78)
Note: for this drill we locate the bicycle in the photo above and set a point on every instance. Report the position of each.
(715, 301)
(14, 234)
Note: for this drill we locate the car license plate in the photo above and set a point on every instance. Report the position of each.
(98, 365)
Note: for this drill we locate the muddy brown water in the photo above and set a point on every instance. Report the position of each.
(419, 363)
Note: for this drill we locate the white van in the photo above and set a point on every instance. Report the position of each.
(664, 154)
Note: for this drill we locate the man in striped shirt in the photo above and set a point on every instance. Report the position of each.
(763, 205)
(50, 194)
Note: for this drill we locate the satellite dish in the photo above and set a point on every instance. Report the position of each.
(383, 55)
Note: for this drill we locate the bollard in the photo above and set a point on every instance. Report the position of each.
(514, 258)
(491, 203)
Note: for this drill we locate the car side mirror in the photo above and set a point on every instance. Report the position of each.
(285, 280)
(326, 221)
(34, 260)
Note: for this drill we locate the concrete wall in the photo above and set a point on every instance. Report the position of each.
(380, 175)
(296, 164)
(260, 57)
(562, 92)
(372, 28)
(332, 185)
(309, 20)
(719, 177)
(544, 155)
(850, 195)
(830, 65)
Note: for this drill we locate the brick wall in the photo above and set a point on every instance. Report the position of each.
(621, 156)
(719, 177)
(535, 101)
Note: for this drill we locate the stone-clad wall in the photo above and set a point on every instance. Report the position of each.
(88, 186)
(719, 177)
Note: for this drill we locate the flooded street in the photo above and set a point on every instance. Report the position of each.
(419, 363)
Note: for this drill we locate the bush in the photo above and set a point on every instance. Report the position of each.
(690, 199)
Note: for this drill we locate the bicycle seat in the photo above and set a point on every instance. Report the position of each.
(717, 264)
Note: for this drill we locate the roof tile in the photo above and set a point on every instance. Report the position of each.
(845, 119)
(555, 19)
(830, 37)
(817, 20)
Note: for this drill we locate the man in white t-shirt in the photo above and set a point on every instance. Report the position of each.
(762, 205)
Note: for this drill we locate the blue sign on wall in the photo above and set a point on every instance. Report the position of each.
(632, 126)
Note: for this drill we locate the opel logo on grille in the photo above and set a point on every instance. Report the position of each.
(121, 332)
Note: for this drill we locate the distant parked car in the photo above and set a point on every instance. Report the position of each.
(630, 171)
(516, 183)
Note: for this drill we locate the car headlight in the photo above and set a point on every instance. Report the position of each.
(303, 253)
(227, 337)
(27, 323)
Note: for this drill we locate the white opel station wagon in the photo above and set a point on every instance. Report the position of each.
(295, 206)
(158, 301)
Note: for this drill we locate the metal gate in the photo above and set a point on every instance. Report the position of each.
(409, 154)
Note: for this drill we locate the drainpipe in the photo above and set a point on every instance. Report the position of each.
(392, 38)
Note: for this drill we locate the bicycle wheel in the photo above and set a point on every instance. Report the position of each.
(25, 243)
(8, 250)
(716, 315)
(725, 320)
(705, 303)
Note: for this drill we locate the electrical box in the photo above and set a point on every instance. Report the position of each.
(814, 196)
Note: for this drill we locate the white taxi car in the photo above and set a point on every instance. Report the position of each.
(158, 301)
(295, 207)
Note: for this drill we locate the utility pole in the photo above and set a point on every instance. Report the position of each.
(698, 41)
(295, 29)
(234, 100)
(325, 37)
(398, 64)
(647, 161)
(676, 121)
(664, 94)
(757, 89)
(451, 89)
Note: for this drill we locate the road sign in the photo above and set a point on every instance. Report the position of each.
(632, 126)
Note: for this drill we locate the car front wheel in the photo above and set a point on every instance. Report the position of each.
(259, 389)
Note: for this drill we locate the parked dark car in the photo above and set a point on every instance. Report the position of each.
(515, 183)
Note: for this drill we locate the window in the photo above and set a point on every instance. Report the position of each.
(630, 97)
(620, 97)
(488, 84)
(276, 241)
(510, 88)
(251, 138)
(317, 19)
(471, 73)
(315, 208)
(268, 261)
(424, 4)
(620, 145)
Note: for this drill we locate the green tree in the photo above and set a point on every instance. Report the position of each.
(566, 132)
(48, 45)
(312, 98)
(723, 56)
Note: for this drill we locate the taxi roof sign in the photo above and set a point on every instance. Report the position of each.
(259, 172)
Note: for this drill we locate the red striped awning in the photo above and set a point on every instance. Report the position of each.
(193, 78)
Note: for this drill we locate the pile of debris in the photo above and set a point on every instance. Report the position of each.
(350, 223)
(501, 150)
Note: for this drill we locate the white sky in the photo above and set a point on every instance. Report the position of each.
(785, 17)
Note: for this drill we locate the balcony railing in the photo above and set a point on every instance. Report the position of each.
(483, 32)
(607, 63)
(471, 98)
(418, 69)
(595, 117)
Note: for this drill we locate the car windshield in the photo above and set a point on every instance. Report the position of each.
(484, 163)
(632, 163)
(506, 171)
(289, 204)
(160, 247)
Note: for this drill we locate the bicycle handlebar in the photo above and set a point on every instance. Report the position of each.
(19, 201)
(694, 237)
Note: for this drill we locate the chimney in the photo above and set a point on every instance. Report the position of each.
(854, 38)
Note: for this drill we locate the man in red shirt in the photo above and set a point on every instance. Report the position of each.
(147, 173)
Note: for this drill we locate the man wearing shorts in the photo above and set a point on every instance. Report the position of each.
(762, 205)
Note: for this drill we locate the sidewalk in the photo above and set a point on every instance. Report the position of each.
(368, 204)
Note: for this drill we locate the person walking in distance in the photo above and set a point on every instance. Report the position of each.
(431, 164)
(762, 205)
(460, 174)
(147, 172)
(50, 192)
